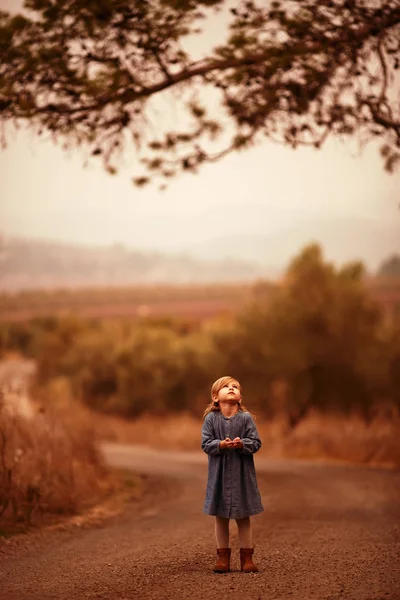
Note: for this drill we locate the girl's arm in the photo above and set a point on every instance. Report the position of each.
(209, 443)
(251, 441)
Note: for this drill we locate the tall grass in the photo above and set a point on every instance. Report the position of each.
(50, 465)
(349, 439)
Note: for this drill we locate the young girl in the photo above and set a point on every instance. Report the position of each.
(230, 438)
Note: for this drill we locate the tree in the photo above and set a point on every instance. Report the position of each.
(294, 71)
(390, 267)
(319, 334)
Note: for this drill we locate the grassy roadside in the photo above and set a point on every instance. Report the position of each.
(51, 468)
(318, 437)
(127, 488)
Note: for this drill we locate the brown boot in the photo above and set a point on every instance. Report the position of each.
(223, 561)
(246, 561)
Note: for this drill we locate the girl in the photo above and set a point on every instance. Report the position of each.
(230, 438)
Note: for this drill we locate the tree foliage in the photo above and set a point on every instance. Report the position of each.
(321, 335)
(390, 267)
(293, 71)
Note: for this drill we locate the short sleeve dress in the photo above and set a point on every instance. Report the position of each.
(232, 490)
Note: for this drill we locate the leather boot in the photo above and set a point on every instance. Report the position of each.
(246, 561)
(223, 561)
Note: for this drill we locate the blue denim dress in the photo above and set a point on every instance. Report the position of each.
(232, 490)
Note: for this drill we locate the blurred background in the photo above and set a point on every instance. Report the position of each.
(120, 305)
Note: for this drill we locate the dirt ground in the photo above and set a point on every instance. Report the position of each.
(328, 532)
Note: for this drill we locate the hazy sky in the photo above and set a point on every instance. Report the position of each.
(47, 193)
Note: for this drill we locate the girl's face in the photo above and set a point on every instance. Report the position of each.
(230, 392)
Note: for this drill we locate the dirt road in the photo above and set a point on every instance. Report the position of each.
(327, 533)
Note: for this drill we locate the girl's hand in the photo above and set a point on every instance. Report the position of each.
(232, 444)
(237, 443)
(226, 443)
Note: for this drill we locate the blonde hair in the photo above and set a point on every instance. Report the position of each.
(215, 388)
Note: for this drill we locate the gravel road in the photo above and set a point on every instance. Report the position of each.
(328, 532)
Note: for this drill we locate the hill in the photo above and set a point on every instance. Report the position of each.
(343, 240)
(32, 264)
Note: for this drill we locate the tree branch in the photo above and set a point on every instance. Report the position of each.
(384, 70)
(386, 122)
(274, 55)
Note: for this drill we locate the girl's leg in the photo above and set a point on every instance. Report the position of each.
(222, 532)
(245, 533)
(246, 546)
(223, 551)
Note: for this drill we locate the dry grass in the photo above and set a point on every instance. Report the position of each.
(174, 432)
(318, 437)
(347, 439)
(50, 465)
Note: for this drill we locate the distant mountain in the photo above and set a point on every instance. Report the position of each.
(31, 264)
(342, 240)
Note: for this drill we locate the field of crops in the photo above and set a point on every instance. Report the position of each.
(187, 301)
(200, 301)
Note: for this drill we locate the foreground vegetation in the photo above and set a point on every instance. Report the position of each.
(50, 466)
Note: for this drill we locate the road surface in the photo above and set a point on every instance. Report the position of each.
(328, 532)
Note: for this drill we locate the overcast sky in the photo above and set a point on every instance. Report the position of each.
(47, 193)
